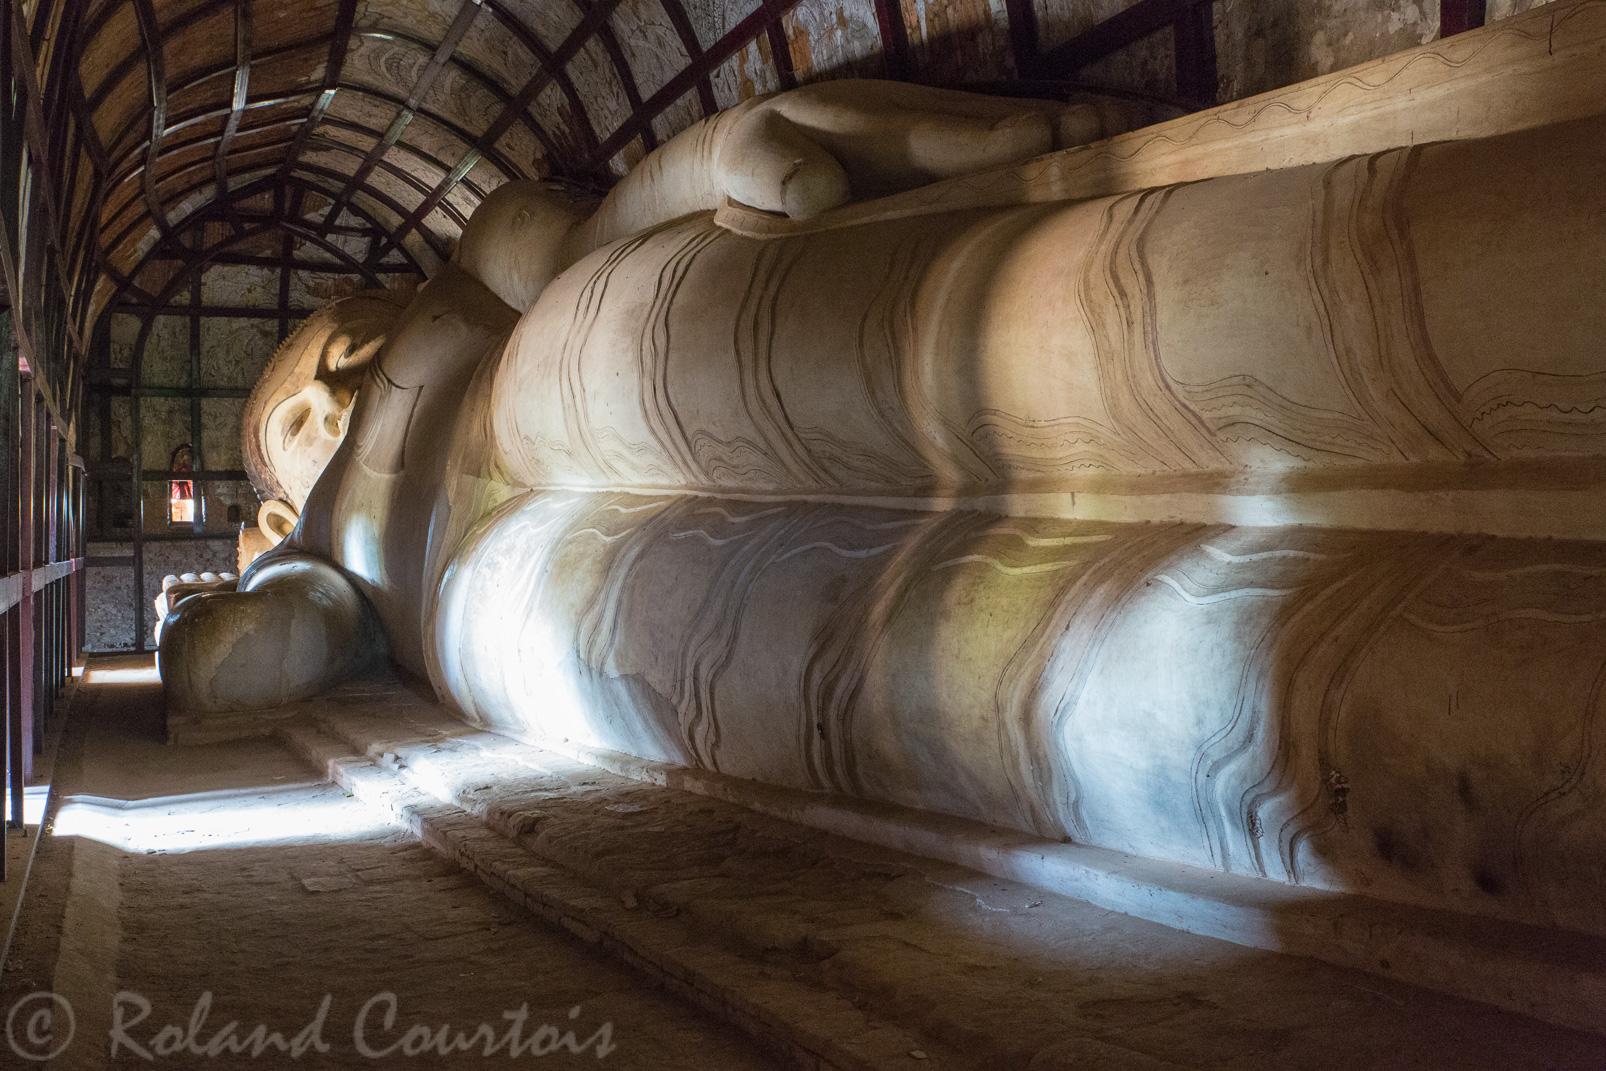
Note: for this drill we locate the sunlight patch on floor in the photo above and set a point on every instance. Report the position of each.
(138, 675)
(305, 813)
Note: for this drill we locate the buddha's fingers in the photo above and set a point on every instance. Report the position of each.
(888, 136)
(767, 162)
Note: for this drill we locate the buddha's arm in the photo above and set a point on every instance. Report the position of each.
(811, 149)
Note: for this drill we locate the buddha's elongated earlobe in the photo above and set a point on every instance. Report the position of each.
(277, 519)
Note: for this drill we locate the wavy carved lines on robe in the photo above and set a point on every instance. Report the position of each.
(1242, 408)
(1313, 624)
(1373, 593)
(928, 365)
(1043, 680)
(710, 639)
(886, 329)
(598, 631)
(1545, 601)
(842, 651)
(1365, 275)
(1313, 629)
(1504, 597)
(578, 425)
(1564, 804)
(1522, 412)
(654, 356)
(470, 624)
(753, 344)
(1117, 299)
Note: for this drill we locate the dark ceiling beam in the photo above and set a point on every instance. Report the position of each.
(120, 69)
(345, 231)
(222, 312)
(22, 68)
(267, 225)
(267, 182)
(86, 122)
(1115, 33)
(1459, 16)
(26, 70)
(351, 263)
(192, 267)
(595, 16)
(436, 244)
(466, 14)
(1194, 53)
(141, 218)
(131, 164)
(333, 70)
(626, 76)
(251, 260)
(123, 389)
(736, 39)
(207, 74)
(345, 124)
(93, 255)
(198, 263)
(125, 283)
(259, 59)
(151, 33)
(694, 49)
(104, 13)
(394, 170)
(1023, 37)
(242, 88)
(483, 80)
(132, 155)
(547, 63)
(780, 57)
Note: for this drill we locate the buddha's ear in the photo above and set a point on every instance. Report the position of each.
(277, 519)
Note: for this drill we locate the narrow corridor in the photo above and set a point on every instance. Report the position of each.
(225, 885)
(228, 886)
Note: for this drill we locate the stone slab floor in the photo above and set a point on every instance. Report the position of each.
(243, 875)
(250, 880)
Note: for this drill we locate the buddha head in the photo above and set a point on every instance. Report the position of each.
(298, 410)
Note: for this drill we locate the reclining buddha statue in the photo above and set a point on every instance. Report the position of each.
(1250, 521)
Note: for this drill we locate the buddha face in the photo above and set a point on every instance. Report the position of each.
(310, 388)
(301, 434)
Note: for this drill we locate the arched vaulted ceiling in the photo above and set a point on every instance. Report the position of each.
(362, 133)
(366, 131)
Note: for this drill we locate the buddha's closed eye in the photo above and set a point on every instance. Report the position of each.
(295, 426)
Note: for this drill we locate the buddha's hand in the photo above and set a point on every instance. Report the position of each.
(811, 149)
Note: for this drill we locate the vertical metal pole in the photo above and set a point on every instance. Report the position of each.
(197, 455)
(47, 613)
(22, 759)
(80, 577)
(8, 565)
(18, 695)
(137, 460)
(10, 354)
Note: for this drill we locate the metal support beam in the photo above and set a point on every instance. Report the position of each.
(242, 87)
(733, 42)
(334, 67)
(595, 16)
(426, 80)
(1459, 16)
